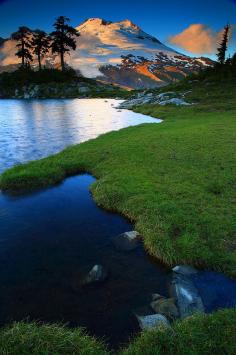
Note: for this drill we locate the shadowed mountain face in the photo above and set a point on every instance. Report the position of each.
(121, 53)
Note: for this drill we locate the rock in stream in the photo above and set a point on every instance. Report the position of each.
(97, 274)
(127, 241)
(188, 298)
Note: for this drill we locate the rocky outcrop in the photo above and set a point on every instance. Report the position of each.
(60, 90)
(145, 97)
(174, 101)
(140, 72)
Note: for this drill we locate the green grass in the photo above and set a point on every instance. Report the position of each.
(197, 335)
(35, 339)
(175, 180)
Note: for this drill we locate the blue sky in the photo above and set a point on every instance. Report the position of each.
(159, 18)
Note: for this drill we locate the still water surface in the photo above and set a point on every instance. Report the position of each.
(32, 129)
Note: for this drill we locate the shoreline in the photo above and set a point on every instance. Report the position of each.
(56, 168)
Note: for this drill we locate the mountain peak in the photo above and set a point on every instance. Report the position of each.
(128, 23)
(96, 21)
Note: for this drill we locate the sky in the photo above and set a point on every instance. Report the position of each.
(193, 27)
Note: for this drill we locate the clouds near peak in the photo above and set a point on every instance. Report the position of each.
(197, 39)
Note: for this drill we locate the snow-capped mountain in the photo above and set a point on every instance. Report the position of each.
(121, 53)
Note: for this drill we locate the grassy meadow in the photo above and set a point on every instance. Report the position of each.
(174, 180)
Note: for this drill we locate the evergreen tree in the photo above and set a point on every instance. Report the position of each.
(22, 36)
(233, 60)
(223, 45)
(63, 38)
(40, 45)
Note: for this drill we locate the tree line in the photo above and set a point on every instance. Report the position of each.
(39, 43)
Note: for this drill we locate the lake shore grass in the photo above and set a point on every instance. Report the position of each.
(25, 338)
(174, 180)
(196, 335)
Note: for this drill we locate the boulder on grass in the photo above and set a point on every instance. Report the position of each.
(126, 241)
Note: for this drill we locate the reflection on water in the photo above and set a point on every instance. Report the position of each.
(49, 241)
(32, 129)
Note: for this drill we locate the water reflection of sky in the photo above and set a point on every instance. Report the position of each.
(37, 128)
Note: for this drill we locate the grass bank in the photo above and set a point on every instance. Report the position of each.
(196, 335)
(35, 339)
(175, 180)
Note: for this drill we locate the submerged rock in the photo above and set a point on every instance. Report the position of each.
(151, 321)
(126, 241)
(97, 274)
(164, 306)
